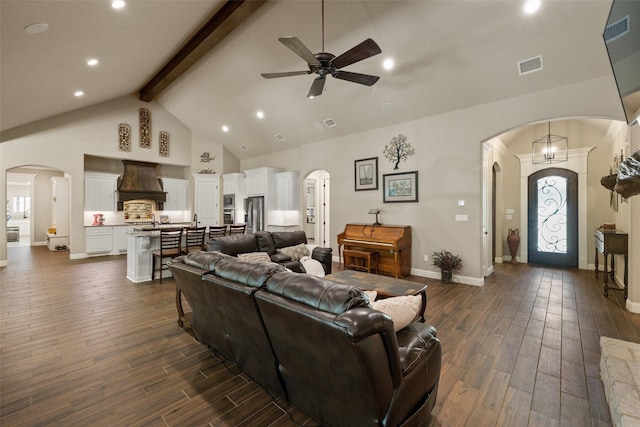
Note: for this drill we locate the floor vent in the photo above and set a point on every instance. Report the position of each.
(330, 123)
(616, 30)
(280, 137)
(530, 65)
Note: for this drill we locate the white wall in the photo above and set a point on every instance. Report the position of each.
(449, 160)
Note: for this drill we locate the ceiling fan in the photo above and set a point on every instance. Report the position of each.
(324, 63)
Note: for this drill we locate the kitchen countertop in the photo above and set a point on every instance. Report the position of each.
(156, 226)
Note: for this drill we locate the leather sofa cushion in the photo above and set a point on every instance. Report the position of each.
(283, 239)
(315, 292)
(235, 244)
(247, 273)
(203, 260)
(265, 242)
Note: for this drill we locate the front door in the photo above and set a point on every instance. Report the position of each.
(553, 217)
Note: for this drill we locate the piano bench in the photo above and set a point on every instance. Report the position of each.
(361, 260)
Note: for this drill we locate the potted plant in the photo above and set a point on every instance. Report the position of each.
(447, 263)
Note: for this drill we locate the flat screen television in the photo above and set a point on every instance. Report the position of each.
(622, 39)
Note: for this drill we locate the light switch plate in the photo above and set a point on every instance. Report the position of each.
(509, 216)
(510, 211)
(462, 217)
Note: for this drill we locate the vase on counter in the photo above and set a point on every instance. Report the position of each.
(513, 240)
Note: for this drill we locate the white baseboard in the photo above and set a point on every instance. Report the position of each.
(633, 307)
(78, 256)
(40, 243)
(465, 280)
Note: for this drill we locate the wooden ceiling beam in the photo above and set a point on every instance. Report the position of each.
(229, 17)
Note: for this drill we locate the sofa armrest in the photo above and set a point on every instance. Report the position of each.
(323, 256)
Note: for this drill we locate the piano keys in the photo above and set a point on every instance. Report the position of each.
(392, 242)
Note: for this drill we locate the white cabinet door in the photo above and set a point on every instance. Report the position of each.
(287, 191)
(255, 184)
(120, 238)
(207, 199)
(100, 192)
(98, 239)
(176, 194)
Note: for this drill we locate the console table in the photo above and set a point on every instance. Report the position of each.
(612, 242)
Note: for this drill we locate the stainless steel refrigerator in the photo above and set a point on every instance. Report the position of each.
(254, 214)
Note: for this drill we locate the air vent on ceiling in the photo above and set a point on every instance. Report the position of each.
(244, 147)
(530, 65)
(616, 30)
(330, 123)
(280, 137)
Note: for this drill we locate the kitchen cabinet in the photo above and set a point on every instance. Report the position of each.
(262, 182)
(176, 194)
(120, 238)
(100, 192)
(207, 199)
(98, 239)
(287, 189)
(233, 183)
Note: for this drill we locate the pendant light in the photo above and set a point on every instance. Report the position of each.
(550, 148)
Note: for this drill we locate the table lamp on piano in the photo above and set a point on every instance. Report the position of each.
(376, 212)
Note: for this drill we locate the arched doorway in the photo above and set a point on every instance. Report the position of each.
(317, 210)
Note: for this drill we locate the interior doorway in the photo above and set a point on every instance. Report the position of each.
(317, 210)
(19, 208)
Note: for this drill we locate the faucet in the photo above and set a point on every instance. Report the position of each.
(195, 219)
(153, 219)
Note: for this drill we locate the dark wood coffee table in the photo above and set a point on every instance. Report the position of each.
(385, 286)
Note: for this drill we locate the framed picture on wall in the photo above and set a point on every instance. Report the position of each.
(400, 187)
(366, 174)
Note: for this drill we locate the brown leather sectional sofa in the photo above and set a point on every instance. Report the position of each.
(270, 242)
(315, 343)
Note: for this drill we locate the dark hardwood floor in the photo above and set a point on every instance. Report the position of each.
(80, 345)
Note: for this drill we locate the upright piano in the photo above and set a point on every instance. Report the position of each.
(392, 242)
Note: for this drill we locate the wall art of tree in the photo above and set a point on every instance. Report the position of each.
(398, 149)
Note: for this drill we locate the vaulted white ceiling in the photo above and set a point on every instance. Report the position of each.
(449, 55)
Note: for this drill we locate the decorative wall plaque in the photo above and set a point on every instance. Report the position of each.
(206, 157)
(145, 128)
(124, 137)
(164, 143)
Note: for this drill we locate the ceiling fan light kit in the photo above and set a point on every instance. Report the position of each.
(325, 63)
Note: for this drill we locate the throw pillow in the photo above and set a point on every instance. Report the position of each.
(312, 266)
(257, 257)
(402, 310)
(296, 252)
(372, 295)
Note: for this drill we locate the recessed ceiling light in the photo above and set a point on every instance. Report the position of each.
(117, 4)
(92, 62)
(260, 115)
(531, 6)
(388, 64)
(36, 28)
(225, 128)
(78, 93)
(311, 97)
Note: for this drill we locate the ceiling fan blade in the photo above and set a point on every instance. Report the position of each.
(364, 50)
(285, 74)
(363, 79)
(317, 86)
(300, 49)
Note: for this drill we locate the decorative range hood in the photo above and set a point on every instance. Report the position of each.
(140, 182)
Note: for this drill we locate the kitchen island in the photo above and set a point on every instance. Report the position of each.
(141, 242)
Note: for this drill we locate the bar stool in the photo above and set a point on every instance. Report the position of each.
(361, 260)
(194, 239)
(217, 230)
(170, 245)
(237, 229)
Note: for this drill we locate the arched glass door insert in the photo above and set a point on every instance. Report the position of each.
(553, 217)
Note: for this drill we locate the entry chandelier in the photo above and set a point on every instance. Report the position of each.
(549, 149)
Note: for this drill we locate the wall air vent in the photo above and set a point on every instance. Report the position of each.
(280, 137)
(616, 30)
(530, 65)
(330, 123)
